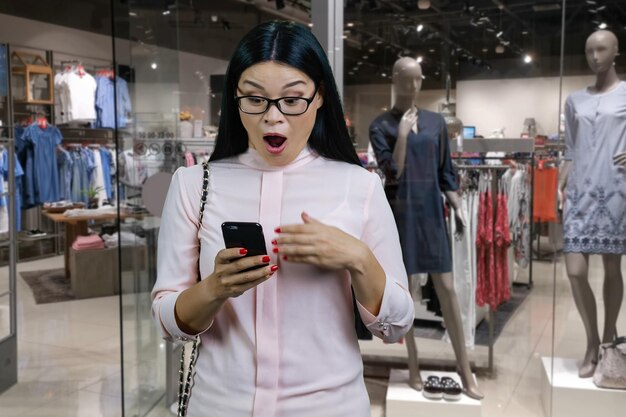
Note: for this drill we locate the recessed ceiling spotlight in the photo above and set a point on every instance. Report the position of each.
(419, 27)
(166, 12)
(423, 4)
(132, 14)
(419, 59)
(602, 25)
(310, 25)
(485, 50)
(372, 50)
(431, 50)
(383, 74)
(350, 25)
(499, 49)
(154, 65)
(214, 18)
(528, 59)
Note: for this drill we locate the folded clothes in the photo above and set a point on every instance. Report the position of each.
(123, 238)
(88, 242)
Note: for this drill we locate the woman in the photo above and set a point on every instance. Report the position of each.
(279, 340)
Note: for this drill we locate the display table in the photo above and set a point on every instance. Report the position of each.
(404, 401)
(564, 394)
(77, 226)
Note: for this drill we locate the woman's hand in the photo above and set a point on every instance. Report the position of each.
(230, 278)
(318, 244)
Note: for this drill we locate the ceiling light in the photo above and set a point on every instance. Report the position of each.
(351, 73)
(365, 56)
(379, 42)
(133, 14)
(350, 25)
(310, 25)
(214, 18)
(419, 59)
(154, 65)
(419, 27)
(602, 25)
(528, 59)
(383, 74)
(423, 4)
(344, 37)
(360, 63)
(499, 34)
(431, 50)
(499, 49)
(485, 50)
(600, 8)
(524, 32)
(166, 12)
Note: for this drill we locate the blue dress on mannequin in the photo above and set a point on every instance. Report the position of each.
(418, 202)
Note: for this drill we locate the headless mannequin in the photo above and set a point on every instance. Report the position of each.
(601, 50)
(407, 82)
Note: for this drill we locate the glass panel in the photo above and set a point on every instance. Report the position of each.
(40, 86)
(589, 285)
(491, 77)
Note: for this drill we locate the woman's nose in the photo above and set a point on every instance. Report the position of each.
(273, 115)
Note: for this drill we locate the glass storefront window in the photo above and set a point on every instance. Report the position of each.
(489, 199)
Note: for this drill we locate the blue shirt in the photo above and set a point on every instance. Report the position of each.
(106, 171)
(19, 173)
(65, 175)
(105, 108)
(42, 164)
(3, 71)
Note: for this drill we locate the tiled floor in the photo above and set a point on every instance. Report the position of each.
(69, 353)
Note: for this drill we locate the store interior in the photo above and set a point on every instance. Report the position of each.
(128, 91)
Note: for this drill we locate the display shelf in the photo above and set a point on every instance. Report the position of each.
(404, 401)
(565, 394)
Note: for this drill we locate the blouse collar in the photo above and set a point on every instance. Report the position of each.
(253, 159)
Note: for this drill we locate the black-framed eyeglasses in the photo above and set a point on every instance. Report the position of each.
(289, 106)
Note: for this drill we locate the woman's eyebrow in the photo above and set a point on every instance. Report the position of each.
(252, 83)
(291, 84)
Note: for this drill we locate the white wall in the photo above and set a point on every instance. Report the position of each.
(492, 104)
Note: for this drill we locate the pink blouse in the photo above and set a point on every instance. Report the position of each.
(287, 347)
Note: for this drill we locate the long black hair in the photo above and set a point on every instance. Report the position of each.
(294, 45)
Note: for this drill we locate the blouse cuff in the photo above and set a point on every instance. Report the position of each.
(396, 313)
(167, 317)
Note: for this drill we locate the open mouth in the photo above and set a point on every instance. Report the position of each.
(274, 143)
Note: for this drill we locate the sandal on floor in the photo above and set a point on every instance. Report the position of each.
(452, 391)
(433, 390)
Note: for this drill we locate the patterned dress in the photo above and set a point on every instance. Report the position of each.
(595, 204)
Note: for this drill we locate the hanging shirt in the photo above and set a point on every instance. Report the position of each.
(43, 165)
(3, 71)
(288, 347)
(19, 174)
(81, 95)
(105, 156)
(106, 91)
(65, 174)
(98, 177)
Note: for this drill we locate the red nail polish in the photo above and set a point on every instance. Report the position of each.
(275, 250)
(265, 259)
(274, 242)
(277, 230)
(274, 268)
(285, 257)
(243, 251)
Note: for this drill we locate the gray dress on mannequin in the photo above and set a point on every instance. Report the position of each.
(595, 204)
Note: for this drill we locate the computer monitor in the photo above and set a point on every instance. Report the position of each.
(469, 132)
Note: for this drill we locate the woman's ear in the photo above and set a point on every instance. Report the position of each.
(319, 97)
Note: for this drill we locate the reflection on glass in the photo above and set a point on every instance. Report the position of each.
(5, 316)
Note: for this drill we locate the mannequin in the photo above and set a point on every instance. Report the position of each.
(593, 181)
(411, 147)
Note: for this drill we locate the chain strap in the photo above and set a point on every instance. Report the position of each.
(185, 383)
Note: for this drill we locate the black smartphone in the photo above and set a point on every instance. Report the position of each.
(245, 235)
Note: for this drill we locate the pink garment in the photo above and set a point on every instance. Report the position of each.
(502, 243)
(88, 242)
(289, 347)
